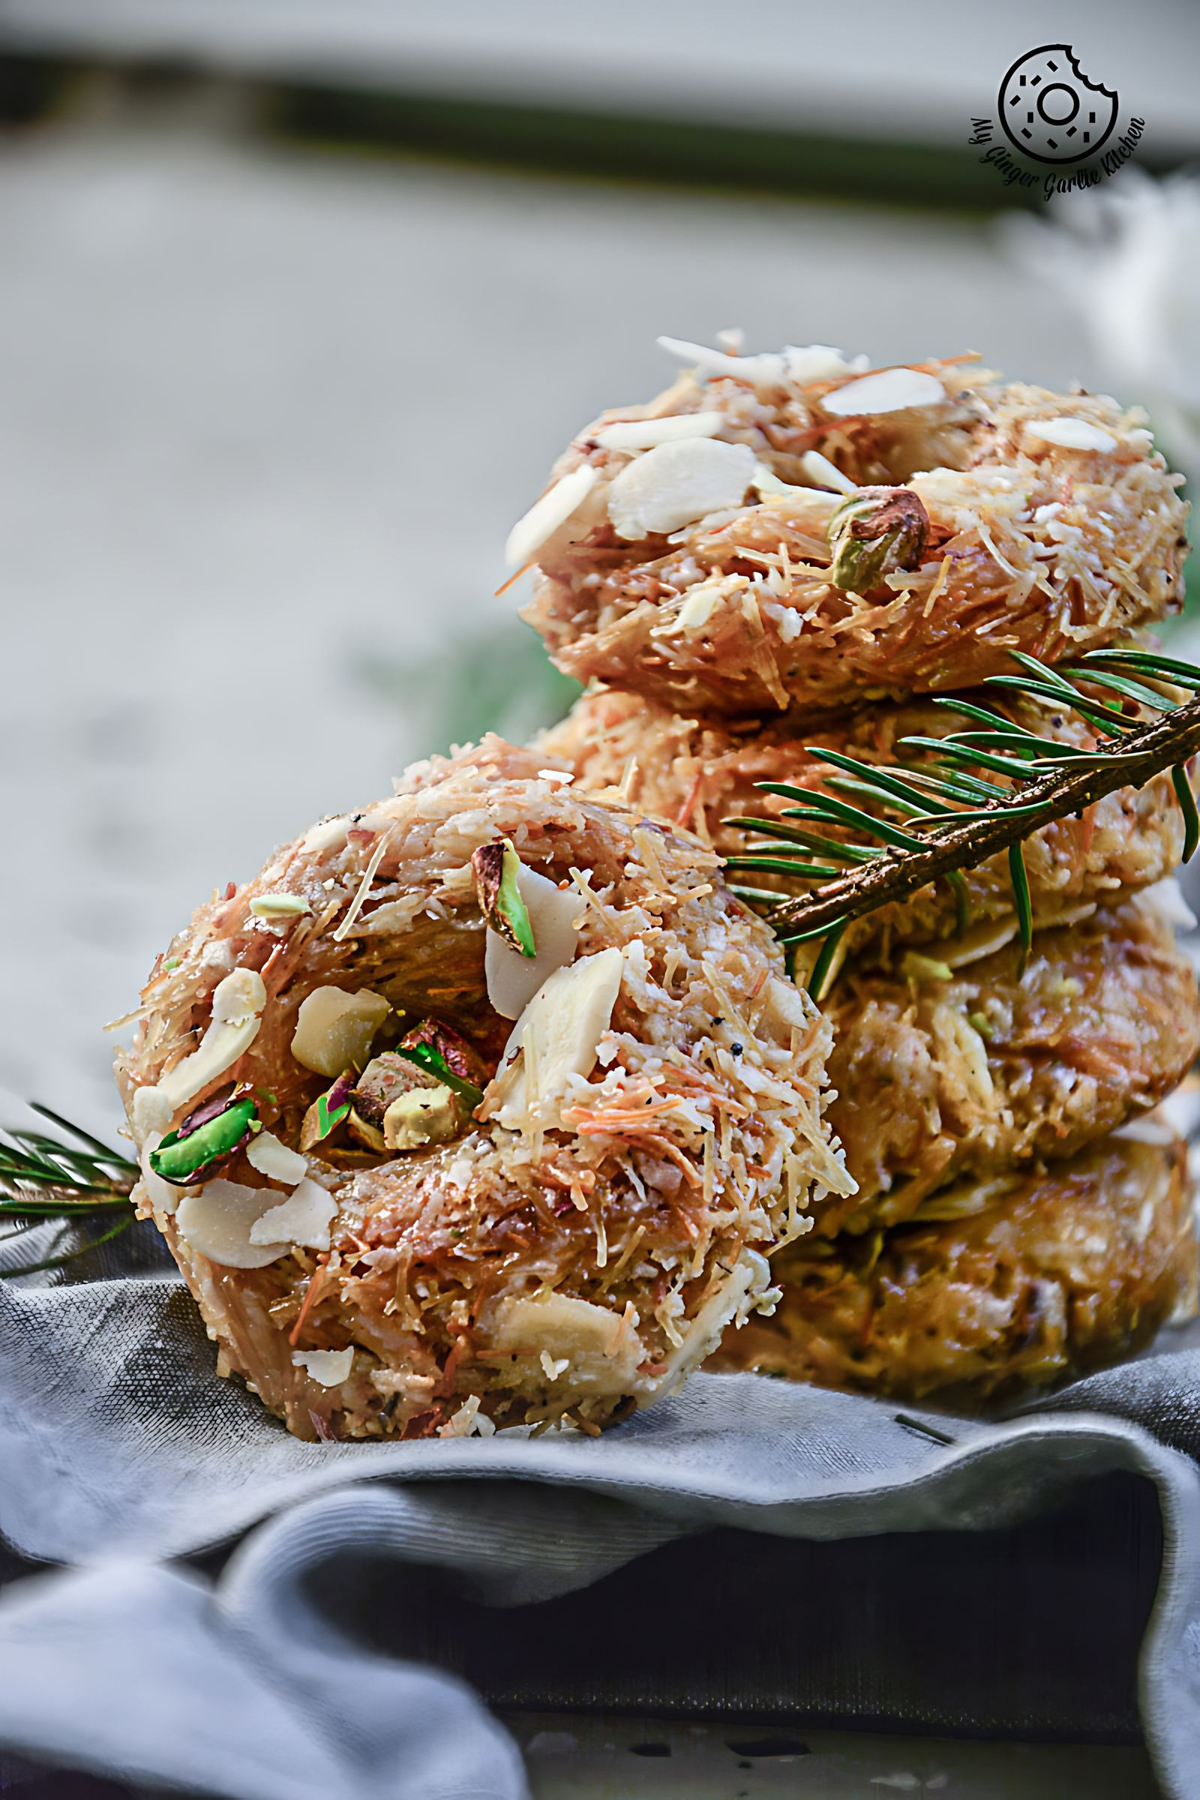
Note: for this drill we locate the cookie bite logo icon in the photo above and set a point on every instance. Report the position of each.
(1049, 112)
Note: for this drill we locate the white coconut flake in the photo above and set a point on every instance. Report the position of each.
(548, 515)
(468, 1421)
(274, 1160)
(328, 1368)
(151, 1112)
(1070, 433)
(647, 434)
(163, 1196)
(698, 608)
(303, 1218)
(678, 483)
(890, 390)
(826, 474)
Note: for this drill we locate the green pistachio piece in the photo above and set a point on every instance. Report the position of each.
(429, 1058)
(178, 1156)
(497, 866)
(327, 1111)
(278, 906)
(873, 532)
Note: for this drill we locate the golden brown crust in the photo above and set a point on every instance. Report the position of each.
(640, 1200)
(1078, 1267)
(699, 774)
(1032, 546)
(947, 1080)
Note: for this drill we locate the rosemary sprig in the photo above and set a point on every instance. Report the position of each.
(951, 813)
(44, 1178)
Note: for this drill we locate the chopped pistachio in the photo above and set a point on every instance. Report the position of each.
(497, 866)
(381, 1081)
(327, 1113)
(278, 906)
(422, 1116)
(205, 1138)
(430, 1059)
(874, 531)
(925, 968)
(363, 1132)
(171, 963)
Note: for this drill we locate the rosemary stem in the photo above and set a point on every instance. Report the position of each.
(1166, 743)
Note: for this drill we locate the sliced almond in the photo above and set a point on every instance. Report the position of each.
(825, 474)
(237, 1003)
(513, 979)
(557, 1036)
(601, 1348)
(980, 941)
(548, 515)
(303, 1218)
(769, 368)
(326, 834)
(216, 1221)
(1070, 433)
(817, 362)
(647, 434)
(274, 1160)
(335, 1030)
(891, 390)
(678, 483)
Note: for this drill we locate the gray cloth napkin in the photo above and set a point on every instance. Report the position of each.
(119, 1450)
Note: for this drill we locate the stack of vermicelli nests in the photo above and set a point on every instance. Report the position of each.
(711, 565)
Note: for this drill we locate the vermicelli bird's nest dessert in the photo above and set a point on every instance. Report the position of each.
(1075, 1266)
(791, 529)
(479, 1106)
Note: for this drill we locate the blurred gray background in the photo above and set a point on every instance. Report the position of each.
(297, 305)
